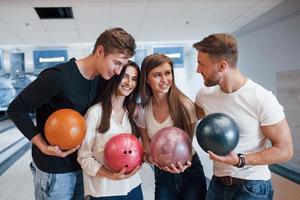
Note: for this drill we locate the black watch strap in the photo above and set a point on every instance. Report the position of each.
(241, 162)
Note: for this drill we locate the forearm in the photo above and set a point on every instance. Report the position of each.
(39, 141)
(36, 94)
(87, 160)
(281, 149)
(107, 173)
(271, 155)
(20, 116)
(104, 172)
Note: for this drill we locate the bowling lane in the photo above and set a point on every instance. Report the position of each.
(17, 183)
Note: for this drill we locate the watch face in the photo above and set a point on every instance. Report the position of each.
(242, 160)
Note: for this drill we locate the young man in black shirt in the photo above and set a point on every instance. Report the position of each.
(73, 84)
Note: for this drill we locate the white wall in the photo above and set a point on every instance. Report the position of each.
(271, 44)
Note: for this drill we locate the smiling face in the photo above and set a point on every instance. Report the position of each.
(108, 65)
(160, 79)
(128, 82)
(209, 69)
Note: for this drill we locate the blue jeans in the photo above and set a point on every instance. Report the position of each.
(52, 186)
(134, 194)
(189, 185)
(249, 190)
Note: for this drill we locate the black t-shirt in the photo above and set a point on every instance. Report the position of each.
(61, 86)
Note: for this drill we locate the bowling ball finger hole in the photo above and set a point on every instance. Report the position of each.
(125, 152)
(126, 165)
(129, 151)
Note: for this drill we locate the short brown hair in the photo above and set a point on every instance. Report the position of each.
(219, 46)
(116, 39)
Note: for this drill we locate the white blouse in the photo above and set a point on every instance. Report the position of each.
(91, 152)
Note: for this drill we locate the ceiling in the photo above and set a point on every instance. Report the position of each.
(146, 20)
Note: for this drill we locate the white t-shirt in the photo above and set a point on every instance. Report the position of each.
(91, 152)
(145, 119)
(251, 107)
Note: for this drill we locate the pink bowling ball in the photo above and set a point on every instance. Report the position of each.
(171, 145)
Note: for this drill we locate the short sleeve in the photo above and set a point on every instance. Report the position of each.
(270, 110)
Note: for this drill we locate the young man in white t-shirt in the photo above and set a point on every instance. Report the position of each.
(244, 173)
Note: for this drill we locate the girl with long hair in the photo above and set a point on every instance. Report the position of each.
(112, 114)
(163, 105)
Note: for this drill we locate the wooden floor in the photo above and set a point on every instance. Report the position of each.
(16, 183)
(285, 189)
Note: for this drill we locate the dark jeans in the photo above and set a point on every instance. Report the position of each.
(250, 190)
(134, 194)
(189, 185)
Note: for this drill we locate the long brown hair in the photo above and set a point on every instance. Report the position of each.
(176, 99)
(111, 90)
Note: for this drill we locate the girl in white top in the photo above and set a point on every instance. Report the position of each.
(111, 115)
(163, 105)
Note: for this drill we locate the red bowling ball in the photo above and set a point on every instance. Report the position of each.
(123, 150)
(171, 145)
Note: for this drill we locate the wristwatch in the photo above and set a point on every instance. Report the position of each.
(241, 162)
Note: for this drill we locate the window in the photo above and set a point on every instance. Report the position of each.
(17, 63)
(175, 53)
(48, 58)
